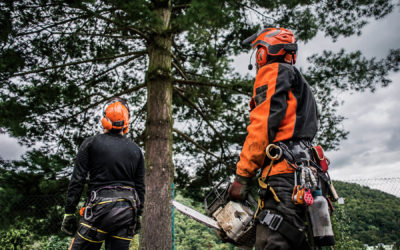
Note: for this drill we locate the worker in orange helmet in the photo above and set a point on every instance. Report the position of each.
(114, 166)
(283, 112)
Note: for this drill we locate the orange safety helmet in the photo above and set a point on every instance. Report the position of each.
(116, 115)
(273, 42)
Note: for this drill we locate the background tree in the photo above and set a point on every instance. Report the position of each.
(368, 216)
(61, 60)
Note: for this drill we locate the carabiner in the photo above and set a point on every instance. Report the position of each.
(302, 177)
(93, 196)
(85, 214)
(299, 164)
(313, 179)
(278, 154)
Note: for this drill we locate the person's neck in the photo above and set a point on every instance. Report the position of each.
(114, 133)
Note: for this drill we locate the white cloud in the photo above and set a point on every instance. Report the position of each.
(9, 148)
(373, 146)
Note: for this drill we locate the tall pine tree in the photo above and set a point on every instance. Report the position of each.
(61, 60)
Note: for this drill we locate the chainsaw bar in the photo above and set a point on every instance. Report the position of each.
(190, 212)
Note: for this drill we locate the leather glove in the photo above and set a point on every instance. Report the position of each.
(69, 224)
(239, 189)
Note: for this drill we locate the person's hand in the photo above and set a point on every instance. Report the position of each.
(69, 224)
(239, 189)
(138, 225)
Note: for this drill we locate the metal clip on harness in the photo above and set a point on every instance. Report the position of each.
(262, 182)
(88, 213)
(273, 221)
(270, 149)
(85, 214)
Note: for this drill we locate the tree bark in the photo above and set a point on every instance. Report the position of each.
(156, 231)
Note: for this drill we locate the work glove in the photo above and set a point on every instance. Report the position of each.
(138, 225)
(69, 224)
(239, 189)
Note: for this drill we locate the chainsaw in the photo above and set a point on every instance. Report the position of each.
(232, 220)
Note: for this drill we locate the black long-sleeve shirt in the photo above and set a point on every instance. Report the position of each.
(109, 159)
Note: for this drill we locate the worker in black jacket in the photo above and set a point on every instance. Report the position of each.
(115, 167)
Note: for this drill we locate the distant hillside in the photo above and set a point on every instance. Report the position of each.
(369, 216)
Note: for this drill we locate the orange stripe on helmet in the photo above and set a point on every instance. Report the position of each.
(275, 42)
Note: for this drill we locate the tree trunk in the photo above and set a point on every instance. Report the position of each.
(156, 231)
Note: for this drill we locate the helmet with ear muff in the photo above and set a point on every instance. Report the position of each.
(273, 42)
(261, 56)
(116, 115)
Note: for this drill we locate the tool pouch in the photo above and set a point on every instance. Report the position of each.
(320, 158)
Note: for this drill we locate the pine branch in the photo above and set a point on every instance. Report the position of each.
(94, 35)
(179, 70)
(208, 84)
(139, 113)
(22, 5)
(187, 138)
(256, 11)
(136, 31)
(179, 92)
(181, 6)
(112, 68)
(93, 79)
(127, 91)
(51, 26)
(80, 62)
(177, 67)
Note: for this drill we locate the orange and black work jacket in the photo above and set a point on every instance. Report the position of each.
(282, 108)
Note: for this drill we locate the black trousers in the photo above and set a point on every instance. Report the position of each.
(110, 222)
(266, 239)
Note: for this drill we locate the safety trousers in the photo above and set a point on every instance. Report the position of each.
(111, 221)
(278, 236)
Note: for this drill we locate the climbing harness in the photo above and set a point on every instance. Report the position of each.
(95, 199)
(94, 212)
(274, 153)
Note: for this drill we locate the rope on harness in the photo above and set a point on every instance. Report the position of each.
(262, 181)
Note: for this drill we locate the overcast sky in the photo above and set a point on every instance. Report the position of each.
(373, 120)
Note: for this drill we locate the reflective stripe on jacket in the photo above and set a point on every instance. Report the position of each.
(283, 107)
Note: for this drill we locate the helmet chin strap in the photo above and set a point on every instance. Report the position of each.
(250, 67)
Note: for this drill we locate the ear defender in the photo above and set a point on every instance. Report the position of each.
(107, 124)
(126, 130)
(290, 58)
(261, 56)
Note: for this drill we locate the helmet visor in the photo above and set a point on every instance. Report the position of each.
(291, 48)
